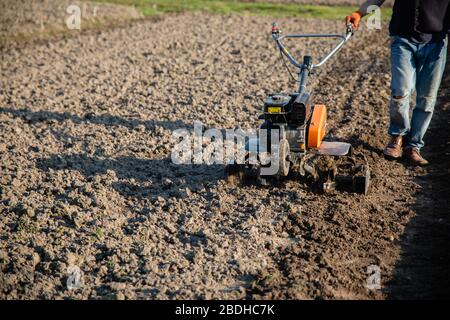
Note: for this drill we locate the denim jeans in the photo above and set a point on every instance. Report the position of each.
(419, 67)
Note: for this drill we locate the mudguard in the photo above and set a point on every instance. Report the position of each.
(317, 126)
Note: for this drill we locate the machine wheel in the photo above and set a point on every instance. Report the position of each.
(284, 163)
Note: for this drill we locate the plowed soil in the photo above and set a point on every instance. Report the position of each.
(87, 180)
(35, 20)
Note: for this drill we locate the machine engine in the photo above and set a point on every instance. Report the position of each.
(305, 124)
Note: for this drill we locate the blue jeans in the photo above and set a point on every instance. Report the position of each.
(415, 66)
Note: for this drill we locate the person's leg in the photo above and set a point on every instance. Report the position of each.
(403, 70)
(430, 69)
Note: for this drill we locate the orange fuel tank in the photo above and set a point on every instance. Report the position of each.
(317, 127)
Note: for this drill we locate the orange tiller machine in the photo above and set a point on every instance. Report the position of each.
(295, 129)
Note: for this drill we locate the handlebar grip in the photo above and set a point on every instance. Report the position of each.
(275, 28)
(350, 28)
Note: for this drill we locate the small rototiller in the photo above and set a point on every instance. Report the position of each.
(301, 128)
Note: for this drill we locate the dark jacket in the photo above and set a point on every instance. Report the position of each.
(412, 17)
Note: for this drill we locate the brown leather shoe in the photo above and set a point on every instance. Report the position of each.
(394, 147)
(413, 156)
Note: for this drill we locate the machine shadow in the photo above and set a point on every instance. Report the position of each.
(139, 178)
(33, 117)
(136, 177)
(424, 269)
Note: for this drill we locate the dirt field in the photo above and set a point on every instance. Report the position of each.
(86, 177)
(31, 20)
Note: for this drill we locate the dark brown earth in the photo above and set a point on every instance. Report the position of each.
(423, 271)
(86, 177)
